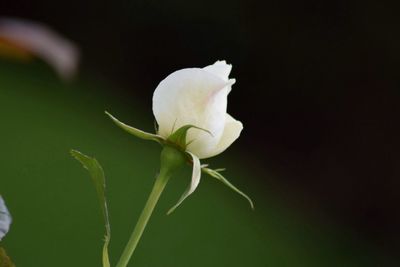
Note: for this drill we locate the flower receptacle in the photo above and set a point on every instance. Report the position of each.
(171, 160)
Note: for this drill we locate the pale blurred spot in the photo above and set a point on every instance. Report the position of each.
(23, 39)
(5, 219)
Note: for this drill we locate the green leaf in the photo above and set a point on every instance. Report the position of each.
(98, 178)
(179, 136)
(196, 175)
(217, 175)
(4, 259)
(136, 132)
(5, 219)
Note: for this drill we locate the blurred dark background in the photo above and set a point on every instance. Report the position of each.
(317, 88)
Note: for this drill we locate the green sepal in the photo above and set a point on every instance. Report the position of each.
(98, 178)
(179, 136)
(220, 177)
(4, 259)
(196, 175)
(136, 132)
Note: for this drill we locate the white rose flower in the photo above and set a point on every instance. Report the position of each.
(190, 109)
(192, 99)
(198, 97)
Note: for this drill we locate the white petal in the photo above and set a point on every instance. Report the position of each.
(232, 131)
(192, 96)
(196, 175)
(220, 68)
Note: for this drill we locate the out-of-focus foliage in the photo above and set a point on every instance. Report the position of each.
(99, 181)
(4, 259)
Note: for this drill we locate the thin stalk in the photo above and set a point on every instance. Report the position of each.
(171, 160)
(155, 194)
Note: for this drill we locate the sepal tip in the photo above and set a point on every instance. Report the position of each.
(220, 177)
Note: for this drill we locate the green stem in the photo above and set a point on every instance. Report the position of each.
(171, 160)
(155, 194)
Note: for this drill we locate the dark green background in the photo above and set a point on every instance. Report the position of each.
(317, 90)
(56, 215)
